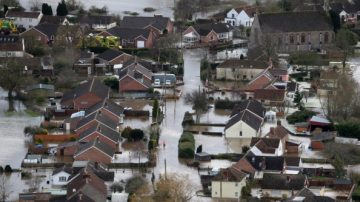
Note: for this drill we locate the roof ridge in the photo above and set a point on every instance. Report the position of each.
(92, 84)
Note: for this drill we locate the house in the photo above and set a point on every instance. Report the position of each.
(265, 164)
(263, 80)
(135, 78)
(270, 97)
(157, 24)
(305, 194)
(85, 95)
(97, 168)
(11, 46)
(84, 63)
(292, 147)
(246, 121)
(101, 132)
(328, 83)
(132, 37)
(53, 19)
(266, 147)
(98, 22)
(24, 19)
(106, 60)
(86, 187)
(348, 11)
(292, 31)
(228, 183)
(35, 197)
(60, 176)
(241, 16)
(164, 78)
(209, 33)
(277, 185)
(279, 132)
(47, 64)
(45, 33)
(66, 149)
(95, 119)
(96, 151)
(109, 108)
(280, 75)
(237, 69)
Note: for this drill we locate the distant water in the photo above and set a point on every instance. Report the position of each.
(163, 7)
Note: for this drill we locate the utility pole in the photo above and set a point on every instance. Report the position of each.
(165, 168)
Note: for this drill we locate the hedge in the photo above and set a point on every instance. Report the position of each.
(188, 119)
(186, 148)
(300, 116)
(225, 104)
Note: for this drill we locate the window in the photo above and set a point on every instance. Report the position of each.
(233, 15)
(244, 77)
(292, 39)
(326, 37)
(236, 184)
(302, 38)
(62, 179)
(240, 133)
(320, 37)
(236, 194)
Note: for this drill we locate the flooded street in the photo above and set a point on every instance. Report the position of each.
(163, 7)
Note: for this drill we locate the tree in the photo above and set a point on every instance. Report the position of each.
(6, 8)
(269, 47)
(199, 102)
(134, 183)
(184, 9)
(112, 82)
(345, 40)
(338, 164)
(174, 188)
(61, 9)
(298, 99)
(245, 149)
(335, 19)
(4, 188)
(155, 109)
(46, 9)
(199, 149)
(12, 77)
(246, 191)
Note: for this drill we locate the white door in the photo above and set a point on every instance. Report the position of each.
(140, 44)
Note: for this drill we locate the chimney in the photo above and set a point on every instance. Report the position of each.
(99, 129)
(278, 123)
(272, 130)
(80, 196)
(96, 165)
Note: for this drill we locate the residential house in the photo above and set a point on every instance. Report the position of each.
(264, 80)
(292, 146)
(11, 46)
(241, 16)
(24, 19)
(279, 132)
(246, 122)
(265, 164)
(86, 187)
(208, 33)
(101, 132)
(237, 69)
(47, 64)
(266, 147)
(85, 63)
(328, 83)
(66, 149)
(157, 24)
(96, 151)
(105, 61)
(280, 75)
(97, 168)
(292, 31)
(98, 22)
(148, 64)
(305, 194)
(270, 97)
(109, 108)
(85, 95)
(164, 78)
(53, 19)
(132, 37)
(348, 11)
(45, 33)
(95, 119)
(135, 79)
(278, 185)
(228, 183)
(60, 176)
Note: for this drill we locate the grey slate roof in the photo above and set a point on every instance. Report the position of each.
(107, 104)
(294, 22)
(247, 117)
(308, 196)
(252, 105)
(63, 168)
(99, 118)
(238, 63)
(103, 130)
(145, 63)
(158, 22)
(22, 14)
(94, 86)
(103, 147)
(57, 20)
(205, 29)
(47, 29)
(282, 181)
(110, 54)
(128, 33)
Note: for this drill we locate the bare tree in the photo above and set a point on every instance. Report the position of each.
(345, 40)
(35, 5)
(5, 188)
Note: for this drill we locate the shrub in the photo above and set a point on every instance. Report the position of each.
(112, 82)
(136, 134)
(300, 116)
(1, 169)
(126, 132)
(116, 187)
(225, 104)
(187, 137)
(244, 149)
(134, 183)
(8, 169)
(32, 130)
(186, 150)
(188, 119)
(348, 129)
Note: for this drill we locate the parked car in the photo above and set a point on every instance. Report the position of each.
(168, 83)
(157, 82)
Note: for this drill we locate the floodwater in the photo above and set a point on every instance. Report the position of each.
(163, 7)
(13, 140)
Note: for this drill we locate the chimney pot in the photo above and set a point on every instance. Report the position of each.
(278, 123)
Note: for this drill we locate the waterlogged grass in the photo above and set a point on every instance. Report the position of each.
(31, 113)
(27, 112)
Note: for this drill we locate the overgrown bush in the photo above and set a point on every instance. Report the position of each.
(134, 183)
(32, 130)
(154, 138)
(8, 169)
(188, 119)
(300, 116)
(186, 148)
(126, 132)
(136, 134)
(225, 104)
(348, 129)
(112, 82)
(116, 187)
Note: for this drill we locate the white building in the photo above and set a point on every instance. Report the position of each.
(243, 16)
(24, 19)
(60, 176)
(228, 184)
(266, 147)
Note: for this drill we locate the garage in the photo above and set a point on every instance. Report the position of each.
(140, 44)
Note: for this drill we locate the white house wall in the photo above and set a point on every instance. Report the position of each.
(234, 131)
(230, 190)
